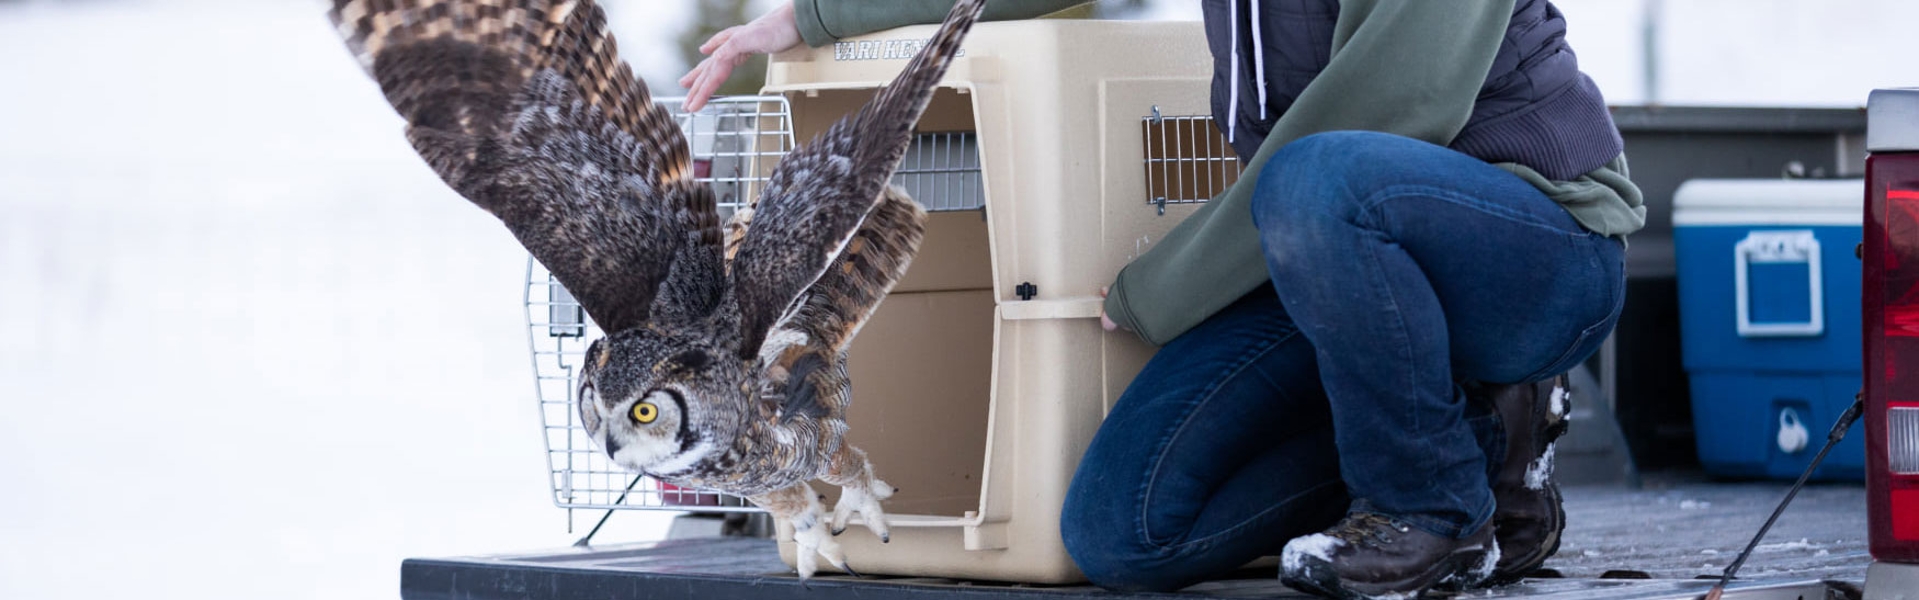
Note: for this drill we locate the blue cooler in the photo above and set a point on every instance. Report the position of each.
(1769, 322)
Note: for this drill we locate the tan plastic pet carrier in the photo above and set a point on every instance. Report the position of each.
(1054, 152)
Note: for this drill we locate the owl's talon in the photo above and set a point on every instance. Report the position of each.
(838, 531)
(799, 507)
(814, 544)
(864, 497)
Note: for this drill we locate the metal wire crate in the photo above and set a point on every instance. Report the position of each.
(1187, 160)
(735, 144)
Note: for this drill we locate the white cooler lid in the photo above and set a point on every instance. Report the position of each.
(1769, 202)
(1892, 120)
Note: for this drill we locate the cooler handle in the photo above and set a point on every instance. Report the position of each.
(1794, 246)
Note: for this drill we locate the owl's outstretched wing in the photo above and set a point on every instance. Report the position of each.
(820, 193)
(525, 108)
(833, 309)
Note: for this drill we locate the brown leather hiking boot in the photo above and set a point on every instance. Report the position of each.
(1373, 556)
(1529, 517)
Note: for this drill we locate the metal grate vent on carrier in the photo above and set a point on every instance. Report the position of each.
(735, 144)
(1187, 159)
(942, 171)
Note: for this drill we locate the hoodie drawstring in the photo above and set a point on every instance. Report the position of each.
(1259, 59)
(1259, 66)
(1232, 97)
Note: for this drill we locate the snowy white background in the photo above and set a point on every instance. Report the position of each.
(250, 347)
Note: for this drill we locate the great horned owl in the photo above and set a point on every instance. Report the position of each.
(725, 365)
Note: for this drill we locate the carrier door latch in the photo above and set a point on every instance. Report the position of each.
(1026, 290)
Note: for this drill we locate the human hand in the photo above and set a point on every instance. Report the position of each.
(773, 32)
(1106, 322)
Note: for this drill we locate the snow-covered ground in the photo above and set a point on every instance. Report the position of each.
(250, 347)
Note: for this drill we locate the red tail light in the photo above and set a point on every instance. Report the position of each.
(1890, 305)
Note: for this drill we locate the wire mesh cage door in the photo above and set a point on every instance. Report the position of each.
(734, 144)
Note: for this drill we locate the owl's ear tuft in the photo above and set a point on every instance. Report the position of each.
(599, 353)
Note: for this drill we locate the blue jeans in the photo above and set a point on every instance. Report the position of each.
(1399, 269)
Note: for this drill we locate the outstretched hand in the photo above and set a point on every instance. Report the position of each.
(775, 31)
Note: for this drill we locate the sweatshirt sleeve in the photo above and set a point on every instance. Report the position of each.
(822, 22)
(1406, 67)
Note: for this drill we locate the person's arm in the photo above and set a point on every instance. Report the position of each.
(820, 22)
(1406, 67)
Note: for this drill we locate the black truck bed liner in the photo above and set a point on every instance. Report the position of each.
(1654, 542)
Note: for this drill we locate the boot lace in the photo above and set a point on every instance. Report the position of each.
(1368, 529)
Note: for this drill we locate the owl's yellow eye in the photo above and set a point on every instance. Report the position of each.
(645, 412)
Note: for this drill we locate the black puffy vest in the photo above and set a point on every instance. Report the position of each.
(1535, 108)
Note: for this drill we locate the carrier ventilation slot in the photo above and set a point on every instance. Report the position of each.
(942, 171)
(1187, 159)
